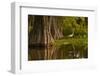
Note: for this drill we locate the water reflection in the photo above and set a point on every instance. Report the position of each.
(62, 52)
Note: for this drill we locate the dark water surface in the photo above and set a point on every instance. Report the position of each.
(61, 52)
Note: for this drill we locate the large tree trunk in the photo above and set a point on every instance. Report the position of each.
(56, 28)
(45, 29)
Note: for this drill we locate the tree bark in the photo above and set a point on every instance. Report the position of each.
(45, 29)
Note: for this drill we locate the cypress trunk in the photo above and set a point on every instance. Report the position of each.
(45, 29)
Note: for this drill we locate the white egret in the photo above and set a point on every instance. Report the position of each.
(72, 34)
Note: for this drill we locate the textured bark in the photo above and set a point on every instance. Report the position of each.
(56, 28)
(45, 29)
(36, 36)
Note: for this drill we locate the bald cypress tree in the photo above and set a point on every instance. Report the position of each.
(44, 29)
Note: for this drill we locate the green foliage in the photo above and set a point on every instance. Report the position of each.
(67, 30)
(74, 41)
(78, 25)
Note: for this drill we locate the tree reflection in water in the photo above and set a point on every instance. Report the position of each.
(62, 52)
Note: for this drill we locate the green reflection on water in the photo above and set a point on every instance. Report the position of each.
(67, 51)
